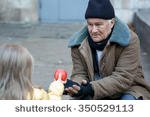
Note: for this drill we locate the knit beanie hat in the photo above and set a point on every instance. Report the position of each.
(102, 9)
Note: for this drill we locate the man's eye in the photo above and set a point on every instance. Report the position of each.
(98, 24)
(89, 24)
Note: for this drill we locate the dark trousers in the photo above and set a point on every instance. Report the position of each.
(128, 97)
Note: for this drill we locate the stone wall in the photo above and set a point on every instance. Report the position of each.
(142, 25)
(125, 9)
(19, 11)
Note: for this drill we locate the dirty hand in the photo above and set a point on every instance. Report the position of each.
(69, 87)
(77, 90)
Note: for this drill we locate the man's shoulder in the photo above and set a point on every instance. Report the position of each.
(133, 34)
(134, 38)
(121, 33)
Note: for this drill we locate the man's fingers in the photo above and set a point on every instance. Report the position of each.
(72, 90)
(84, 82)
(77, 88)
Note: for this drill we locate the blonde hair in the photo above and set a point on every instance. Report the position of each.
(15, 72)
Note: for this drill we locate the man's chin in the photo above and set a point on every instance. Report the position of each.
(97, 39)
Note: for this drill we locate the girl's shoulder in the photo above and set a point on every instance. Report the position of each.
(39, 94)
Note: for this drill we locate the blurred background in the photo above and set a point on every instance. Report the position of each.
(45, 26)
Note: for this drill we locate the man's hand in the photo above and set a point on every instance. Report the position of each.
(72, 91)
(77, 90)
(71, 87)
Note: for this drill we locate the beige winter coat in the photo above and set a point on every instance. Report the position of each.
(120, 65)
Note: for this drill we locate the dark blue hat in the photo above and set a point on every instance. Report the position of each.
(102, 9)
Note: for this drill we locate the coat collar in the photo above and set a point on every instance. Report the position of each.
(120, 35)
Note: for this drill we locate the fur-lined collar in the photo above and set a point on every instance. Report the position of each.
(120, 35)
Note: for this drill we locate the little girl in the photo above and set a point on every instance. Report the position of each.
(16, 65)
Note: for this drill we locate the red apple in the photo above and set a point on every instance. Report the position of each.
(60, 73)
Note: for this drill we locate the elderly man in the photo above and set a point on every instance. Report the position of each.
(106, 58)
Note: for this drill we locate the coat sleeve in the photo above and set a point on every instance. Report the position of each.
(39, 94)
(122, 78)
(79, 71)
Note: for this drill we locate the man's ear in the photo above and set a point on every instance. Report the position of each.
(112, 22)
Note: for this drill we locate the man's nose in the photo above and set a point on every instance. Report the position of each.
(94, 28)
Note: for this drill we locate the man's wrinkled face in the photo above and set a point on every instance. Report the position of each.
(99, 29)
